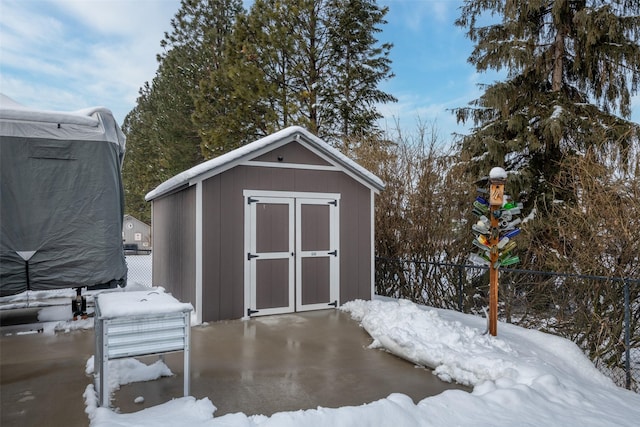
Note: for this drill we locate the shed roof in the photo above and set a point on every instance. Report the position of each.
(226, 161)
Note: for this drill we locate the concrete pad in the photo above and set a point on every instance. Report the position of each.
(258, 366)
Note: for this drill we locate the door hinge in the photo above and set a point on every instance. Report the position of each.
(334, 253)
(250, 312)
(335, 303)
(250, 255)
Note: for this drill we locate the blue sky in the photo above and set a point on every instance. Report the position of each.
(71, 54)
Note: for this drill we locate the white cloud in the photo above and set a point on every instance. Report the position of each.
(20, 27)
(41, 96)
(122, 17)
(416, 14)
(71, 54)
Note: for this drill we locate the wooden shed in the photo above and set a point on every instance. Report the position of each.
(280, 225)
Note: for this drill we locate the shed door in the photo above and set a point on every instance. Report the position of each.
(316, 254)
(292, 254)
(271, 255)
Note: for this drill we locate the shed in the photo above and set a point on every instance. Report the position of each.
(283, 224)
(61, 199)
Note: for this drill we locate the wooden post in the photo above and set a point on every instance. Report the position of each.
(496, 194)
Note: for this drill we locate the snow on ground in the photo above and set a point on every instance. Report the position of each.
(130, 370)
(522, 377)
(37, 299)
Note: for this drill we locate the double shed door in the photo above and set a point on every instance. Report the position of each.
(292, 254)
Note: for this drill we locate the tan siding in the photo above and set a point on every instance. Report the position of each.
(292, 152)
(211, 249)
(223, 235)
(174, 240)
(233, 256)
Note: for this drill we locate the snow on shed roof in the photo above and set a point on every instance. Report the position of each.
(193, 175)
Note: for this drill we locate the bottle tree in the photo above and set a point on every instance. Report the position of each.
(559, 124)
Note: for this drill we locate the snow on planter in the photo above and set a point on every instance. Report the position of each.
(139, 323)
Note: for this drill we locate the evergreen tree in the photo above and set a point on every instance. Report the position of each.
(238, 102)
(360, 64)
(161, 137)
(139, 173)
(296, 62)
(572, 67)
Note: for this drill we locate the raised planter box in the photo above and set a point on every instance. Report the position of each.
(141, 323)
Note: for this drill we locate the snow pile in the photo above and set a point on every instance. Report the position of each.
(130, 370)
(121, 372)
(440, 339)
(523, 377)
(442, 345)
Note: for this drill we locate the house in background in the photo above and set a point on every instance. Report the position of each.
(136, 236)
(283, 224)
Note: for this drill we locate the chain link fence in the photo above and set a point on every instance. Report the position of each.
(600, 314)
(139, 269)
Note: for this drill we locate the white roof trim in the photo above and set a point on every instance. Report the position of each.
(224, 162)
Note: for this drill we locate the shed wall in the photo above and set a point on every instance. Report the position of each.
(292, 153)
(174, 251)
(223, 228)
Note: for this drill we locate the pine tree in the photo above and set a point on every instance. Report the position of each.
(240, 101)
(360, 64)
(162, 139)
(297, 62)
(572, 67)
(138, 174)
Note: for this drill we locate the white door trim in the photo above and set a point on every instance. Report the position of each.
(334, 243)
(291, 194)
(198, 296)
(251, 250)
(290, 197)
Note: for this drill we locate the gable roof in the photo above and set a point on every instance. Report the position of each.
(228, 160)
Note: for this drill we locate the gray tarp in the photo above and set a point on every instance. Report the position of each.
(61, 199)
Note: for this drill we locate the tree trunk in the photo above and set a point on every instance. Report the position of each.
(558, 62)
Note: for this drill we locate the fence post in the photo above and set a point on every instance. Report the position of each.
(460, 287)
(627, 334)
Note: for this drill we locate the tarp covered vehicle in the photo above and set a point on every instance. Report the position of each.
(61, 199)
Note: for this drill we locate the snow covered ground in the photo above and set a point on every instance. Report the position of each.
(522, 377)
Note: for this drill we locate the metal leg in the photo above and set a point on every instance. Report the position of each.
(187, 345)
